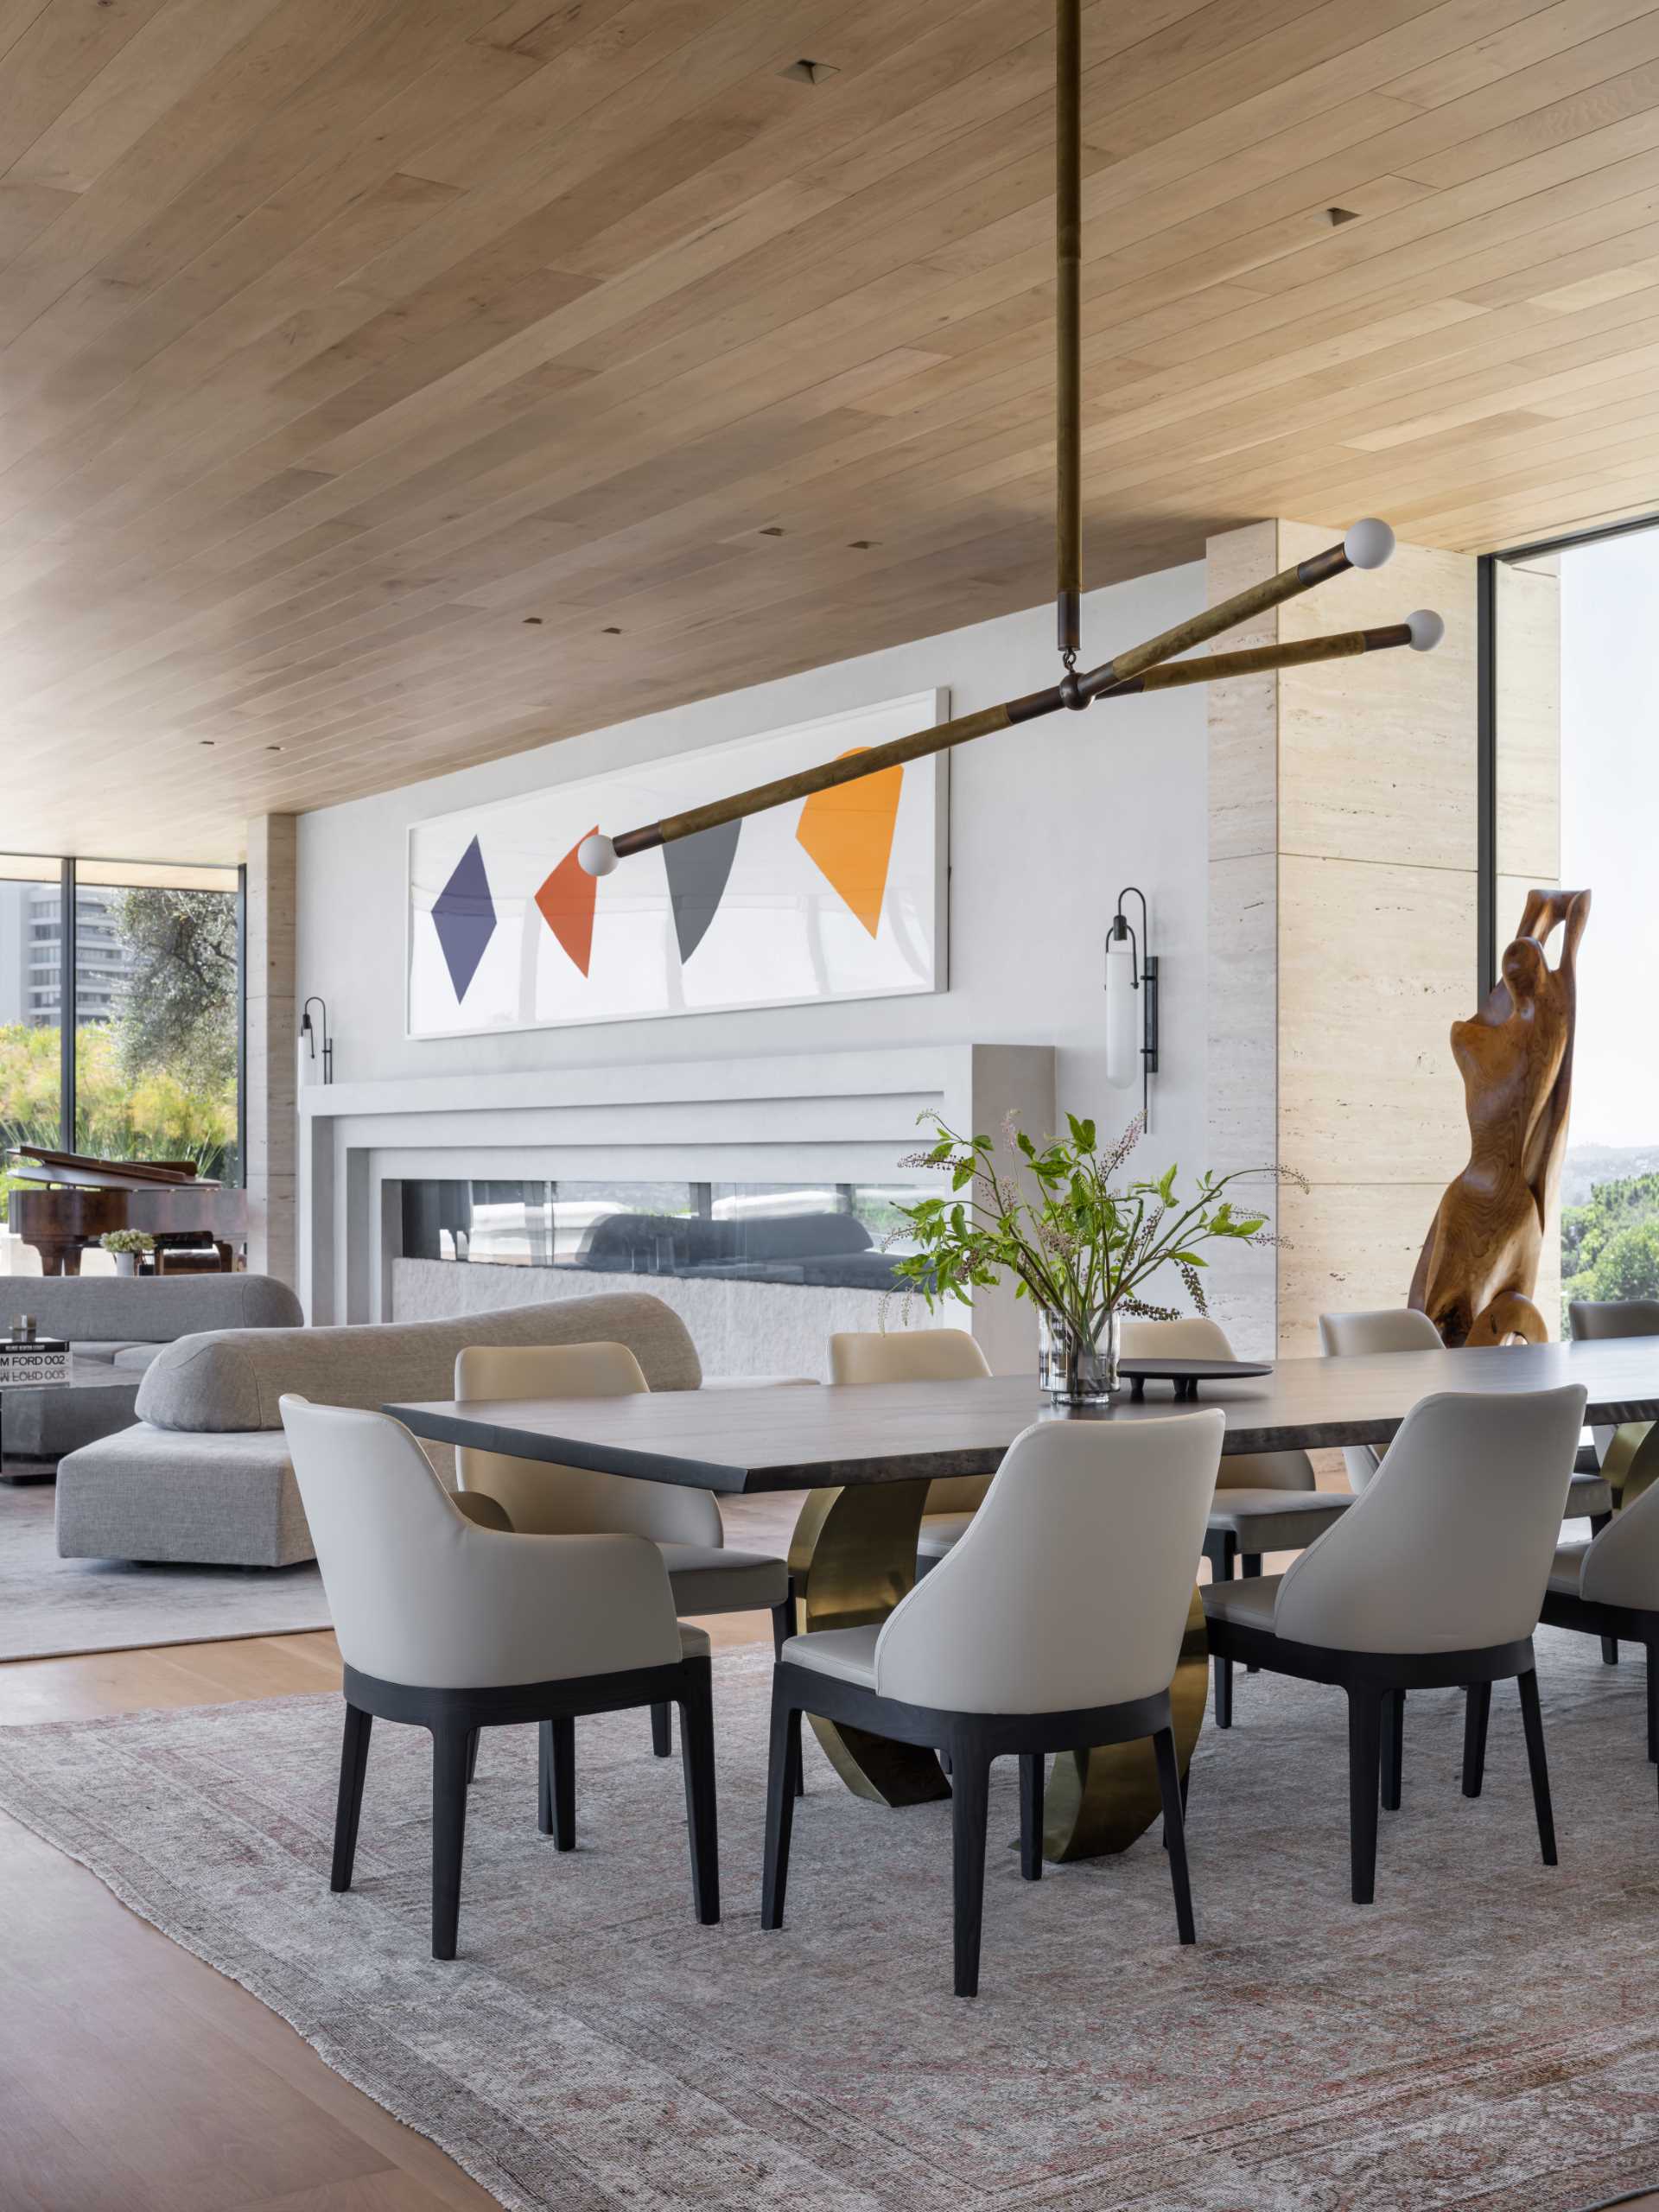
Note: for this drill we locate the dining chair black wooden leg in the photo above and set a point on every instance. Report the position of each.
(784, 1758)
(1169, 1789)
(1220, 1548)
(475, 1737)
(1477, 1712)
(1610, 1651)
(1365, 1777)
(353, 1764)
(783, 1627)
(1533, 1721)
(662, 1731)
(970, 1776)
(1030, 1815)
(556, 1762)
(698, 1759)
(1250, 1566)
(1394, 1747)
(448, 1834)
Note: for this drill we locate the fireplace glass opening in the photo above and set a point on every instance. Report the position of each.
(840, 1235)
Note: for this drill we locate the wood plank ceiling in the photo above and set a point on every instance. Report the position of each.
(390, 385)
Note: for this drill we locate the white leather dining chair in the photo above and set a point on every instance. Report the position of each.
(1055, 1623)
(454, 1628)
(1432, 1579)
(921, 1356)
(1264, 1501)
(1403, 1328)
(544, 1499)
(1609, 1587)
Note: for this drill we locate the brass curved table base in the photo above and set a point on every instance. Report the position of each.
(1100, 1800)
(852, 1557)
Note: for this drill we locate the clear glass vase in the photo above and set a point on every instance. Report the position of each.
(1075, 1368)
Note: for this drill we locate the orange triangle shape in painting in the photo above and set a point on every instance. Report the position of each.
(848, 832)
(566, 900)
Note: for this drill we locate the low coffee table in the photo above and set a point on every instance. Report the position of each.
(97, 1400)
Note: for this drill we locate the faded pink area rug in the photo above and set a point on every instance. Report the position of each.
(1485, 2035)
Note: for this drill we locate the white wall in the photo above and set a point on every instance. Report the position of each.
(1047, 822)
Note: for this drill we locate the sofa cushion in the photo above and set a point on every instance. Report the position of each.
(151, 1494)
(234, 1379)
(85, 1309)
(100, 1348)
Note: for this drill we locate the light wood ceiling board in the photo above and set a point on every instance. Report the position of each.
(365, 366)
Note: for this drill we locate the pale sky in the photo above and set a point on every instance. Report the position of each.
(1609, 830)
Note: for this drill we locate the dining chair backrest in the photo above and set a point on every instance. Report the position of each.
(858, 1356)
(1071, 1586)
(1450, 1546)
(421, 1595)
(542, 1498)
(1194, 1335)
(1387, 1328)
(1591, 1318)
(1621, 1566)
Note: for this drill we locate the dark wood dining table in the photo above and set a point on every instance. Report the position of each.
(866, 1454)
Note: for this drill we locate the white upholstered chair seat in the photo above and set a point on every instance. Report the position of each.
(1588, 1496)
(848, 1654)
(1567, 1571)
(1249, 1604)
(939, 1532)
(1277, 1520)
(708, 1578)
(694, 1642)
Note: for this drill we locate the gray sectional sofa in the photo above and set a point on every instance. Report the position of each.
(122, 1322)
(205, 1474)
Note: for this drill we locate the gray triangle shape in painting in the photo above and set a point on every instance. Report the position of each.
(698, 869)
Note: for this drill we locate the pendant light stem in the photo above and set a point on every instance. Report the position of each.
(1068, 380)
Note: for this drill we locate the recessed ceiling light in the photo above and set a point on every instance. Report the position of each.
(771, 531)
(207, 740)
(610, 630)
(533, 621)
(809, 72)
(273, 748)
(861, 544)
(1342, 215)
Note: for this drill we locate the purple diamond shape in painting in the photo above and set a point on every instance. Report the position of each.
(463, 914)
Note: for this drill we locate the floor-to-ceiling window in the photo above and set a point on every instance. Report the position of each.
(138, 965)
(1607, 796)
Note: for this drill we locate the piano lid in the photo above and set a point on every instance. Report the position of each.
(35, 1163)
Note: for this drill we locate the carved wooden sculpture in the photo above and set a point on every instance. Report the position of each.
(1479, 1266)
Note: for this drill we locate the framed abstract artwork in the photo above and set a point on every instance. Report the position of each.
(841, 896)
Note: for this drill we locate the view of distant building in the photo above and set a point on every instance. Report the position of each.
(31, 942)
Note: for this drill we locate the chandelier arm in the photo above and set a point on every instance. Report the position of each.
(1258, 660)
(1254, 598)
(1068, 324)
(849, 769)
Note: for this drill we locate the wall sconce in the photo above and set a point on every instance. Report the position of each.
(309, 1033)
(1131, 1003)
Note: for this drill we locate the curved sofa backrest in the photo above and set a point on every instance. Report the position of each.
(234, 1379)
(147, 1309)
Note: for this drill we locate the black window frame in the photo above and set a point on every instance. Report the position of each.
(69, 996)
(1488, 946)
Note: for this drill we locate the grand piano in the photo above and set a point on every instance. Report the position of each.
(61, 1202)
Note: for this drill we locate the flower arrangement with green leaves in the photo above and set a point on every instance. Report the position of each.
(127, 1240)
(1082, 1248)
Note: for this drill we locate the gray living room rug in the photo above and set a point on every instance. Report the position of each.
(50, 1607)
(1484, 2035)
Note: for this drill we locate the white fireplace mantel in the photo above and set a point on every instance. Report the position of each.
(838, 1116)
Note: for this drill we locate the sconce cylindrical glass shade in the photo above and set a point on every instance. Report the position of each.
(1123, 1015)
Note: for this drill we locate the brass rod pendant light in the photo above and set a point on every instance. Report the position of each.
(1149, 667)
